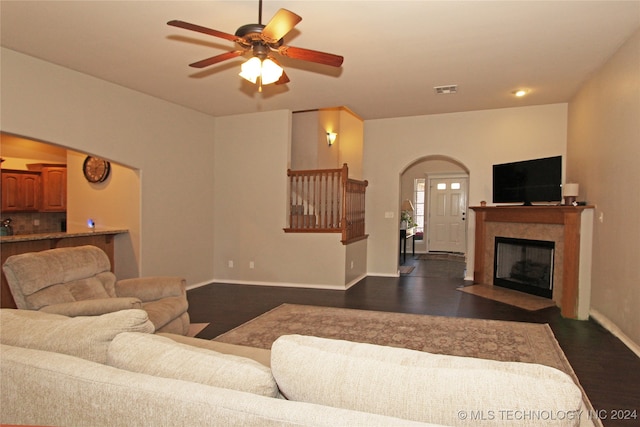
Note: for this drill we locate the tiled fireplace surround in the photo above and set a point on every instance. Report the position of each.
(569, 227)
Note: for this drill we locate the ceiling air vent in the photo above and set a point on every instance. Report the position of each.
(445, 90)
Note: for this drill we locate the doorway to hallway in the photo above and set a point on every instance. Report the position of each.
(415, 182)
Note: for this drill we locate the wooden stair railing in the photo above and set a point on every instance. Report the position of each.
(327, 201)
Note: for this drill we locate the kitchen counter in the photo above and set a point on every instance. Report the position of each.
(58, 235)
(23, 243)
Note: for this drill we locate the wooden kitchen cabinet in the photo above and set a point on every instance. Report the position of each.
(54, 189)
(42, 188)
(53, 186)
(20, 191)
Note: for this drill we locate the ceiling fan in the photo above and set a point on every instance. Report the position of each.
(262, 41)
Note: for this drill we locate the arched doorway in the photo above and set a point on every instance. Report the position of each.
(449, 201)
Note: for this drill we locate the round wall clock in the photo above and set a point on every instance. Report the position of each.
(96, 169)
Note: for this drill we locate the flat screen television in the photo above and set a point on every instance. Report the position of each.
(528, 181)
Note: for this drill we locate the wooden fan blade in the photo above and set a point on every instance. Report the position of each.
(281, 23)
(204, 30)
(311, 55)
(216, 59)
(284, 79)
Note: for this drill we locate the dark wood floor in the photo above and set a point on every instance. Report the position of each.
(608, 371)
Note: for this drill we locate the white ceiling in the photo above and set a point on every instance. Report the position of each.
(395, 51)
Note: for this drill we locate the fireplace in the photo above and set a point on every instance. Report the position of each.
(524, 265)
(569, 227)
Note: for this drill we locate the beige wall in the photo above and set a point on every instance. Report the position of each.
(603, 151)
(350, 142)
(114, 203)
(304, 140)
(309, 147)
(328, 156)
(171, 146)
(475, 139)
(250, 187)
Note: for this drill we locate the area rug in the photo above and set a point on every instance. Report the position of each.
(443, 256)
(508, 296)
(487, 339)
(442, 265)
(406, 269)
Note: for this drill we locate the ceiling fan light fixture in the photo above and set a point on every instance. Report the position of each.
(251, 69)
(271, 72)
(267, 70)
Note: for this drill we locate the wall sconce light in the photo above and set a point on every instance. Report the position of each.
(570, 192)
(331, 138)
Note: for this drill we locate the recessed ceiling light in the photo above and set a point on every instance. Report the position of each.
(520, 92)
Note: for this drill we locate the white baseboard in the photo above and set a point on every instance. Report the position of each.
(383, 274)
(354, 281)
(615, 330)
(281, 284)
(197, 285)
(284, 284)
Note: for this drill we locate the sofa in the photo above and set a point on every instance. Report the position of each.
(114, 370)
(78, 281)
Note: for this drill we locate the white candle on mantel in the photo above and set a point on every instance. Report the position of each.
(570, 189)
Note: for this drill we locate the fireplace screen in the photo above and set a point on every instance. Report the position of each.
(524, 265)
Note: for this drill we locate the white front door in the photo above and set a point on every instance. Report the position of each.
(447, 230)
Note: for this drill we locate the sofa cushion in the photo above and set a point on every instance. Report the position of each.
(421, 386)
(160, 356)
(260, 355)
(93, 307)
(45, 389)
(85, 337)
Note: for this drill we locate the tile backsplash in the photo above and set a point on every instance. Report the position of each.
(24, 222)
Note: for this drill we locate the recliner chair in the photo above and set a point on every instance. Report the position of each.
(78, 281)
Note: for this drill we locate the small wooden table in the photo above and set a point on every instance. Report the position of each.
(406, 234)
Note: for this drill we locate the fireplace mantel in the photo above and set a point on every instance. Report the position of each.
(575, 261)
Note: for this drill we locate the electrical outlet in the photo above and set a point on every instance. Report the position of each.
(36, 222)
(252, 264)
(352, 265)
(601, 217)
(389, 214)
(230, 264)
